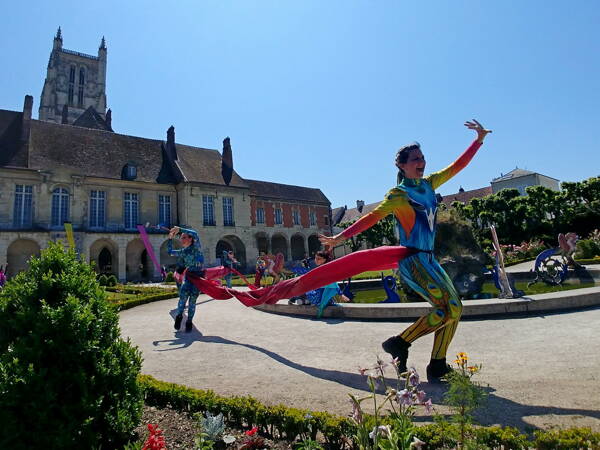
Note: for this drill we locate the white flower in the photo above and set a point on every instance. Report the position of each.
(381, 430)
(417, 443)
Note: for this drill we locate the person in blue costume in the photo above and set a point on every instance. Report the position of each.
(414, 205)
(325, 296)
(230, 262)
(189, 259)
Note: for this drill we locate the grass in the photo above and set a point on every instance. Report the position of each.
(378, 295)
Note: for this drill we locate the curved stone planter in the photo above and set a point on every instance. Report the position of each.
(555, 301)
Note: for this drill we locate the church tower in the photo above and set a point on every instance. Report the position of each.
(75, 83)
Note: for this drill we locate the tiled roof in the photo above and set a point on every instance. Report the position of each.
(280, 191)
(202, 165)
(515, 173)
(466, 196)
(353, 214)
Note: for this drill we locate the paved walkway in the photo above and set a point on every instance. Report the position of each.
(541, 370)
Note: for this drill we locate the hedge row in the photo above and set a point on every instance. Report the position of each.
(286, 423)
(141, 300)
(277, 421)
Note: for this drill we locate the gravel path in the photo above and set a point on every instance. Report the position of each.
(542, 371)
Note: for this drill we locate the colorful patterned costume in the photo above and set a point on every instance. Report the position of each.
(413, 203)
(190, 259)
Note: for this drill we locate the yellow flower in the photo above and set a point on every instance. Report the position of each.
(473, 369)
(462, 355)
(457, 361)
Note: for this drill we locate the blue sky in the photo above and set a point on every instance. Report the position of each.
(321, 94)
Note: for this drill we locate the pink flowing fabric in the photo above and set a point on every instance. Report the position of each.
(378, 259)
(149, 249)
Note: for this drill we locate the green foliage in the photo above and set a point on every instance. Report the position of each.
(111, 280)
(571, 438)
(463, 395)
(67, 378)
(170, 278)
(587, 249)
(102, 280)
(338, 431)
(541, 214)
(276, 421)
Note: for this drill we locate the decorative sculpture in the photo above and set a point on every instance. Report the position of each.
(389, 285)
(552, 265)
(501, 280)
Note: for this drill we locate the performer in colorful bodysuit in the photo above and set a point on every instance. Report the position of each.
(190, 260)
(414, 205)
(327, 295)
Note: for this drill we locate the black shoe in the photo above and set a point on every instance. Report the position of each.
(398, 348)
(188, 326)
(178, 319)
(437, 369)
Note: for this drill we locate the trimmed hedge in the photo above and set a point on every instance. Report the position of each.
(122, 305)
(286, 423)
(277, 421)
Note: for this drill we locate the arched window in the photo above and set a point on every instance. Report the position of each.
(60, 207)
(81, 84)
(71, 84)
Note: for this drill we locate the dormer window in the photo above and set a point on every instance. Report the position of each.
(129, 172)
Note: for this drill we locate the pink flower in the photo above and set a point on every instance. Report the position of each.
(421, 396)
(428, 406)
(413, 377)
(404, 397)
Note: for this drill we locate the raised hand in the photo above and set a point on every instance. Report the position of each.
(329, 241)
(481, 131)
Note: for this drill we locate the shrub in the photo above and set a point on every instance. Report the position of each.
(67, 379)
(566, 439)
(102, 280)
(111, 280)
(587, 249)
(170, 278)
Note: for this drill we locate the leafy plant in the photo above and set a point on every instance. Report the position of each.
(253, 440)
(211, 431)
(399, 432)
(67, 379)
(463, 395)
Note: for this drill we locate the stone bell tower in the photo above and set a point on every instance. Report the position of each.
(74, 82)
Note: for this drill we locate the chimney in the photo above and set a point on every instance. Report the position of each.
(227, 161)
(65, 115)
(461, 189)
(171, 149)
(360, 204)
(108, 119)
(26, 121)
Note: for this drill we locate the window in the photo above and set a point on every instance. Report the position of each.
(164, 210)
(278, 216)
(228, 212)
(81, 84)
(260, 215)
(97, 208)
(208, 210)
(60, 207)
(71, 84)
(23, 206)
(313, 218)
(296, 217)
(130, 210)
(129, 172)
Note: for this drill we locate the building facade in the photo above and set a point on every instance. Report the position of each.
(105, 184)
(520, 179)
